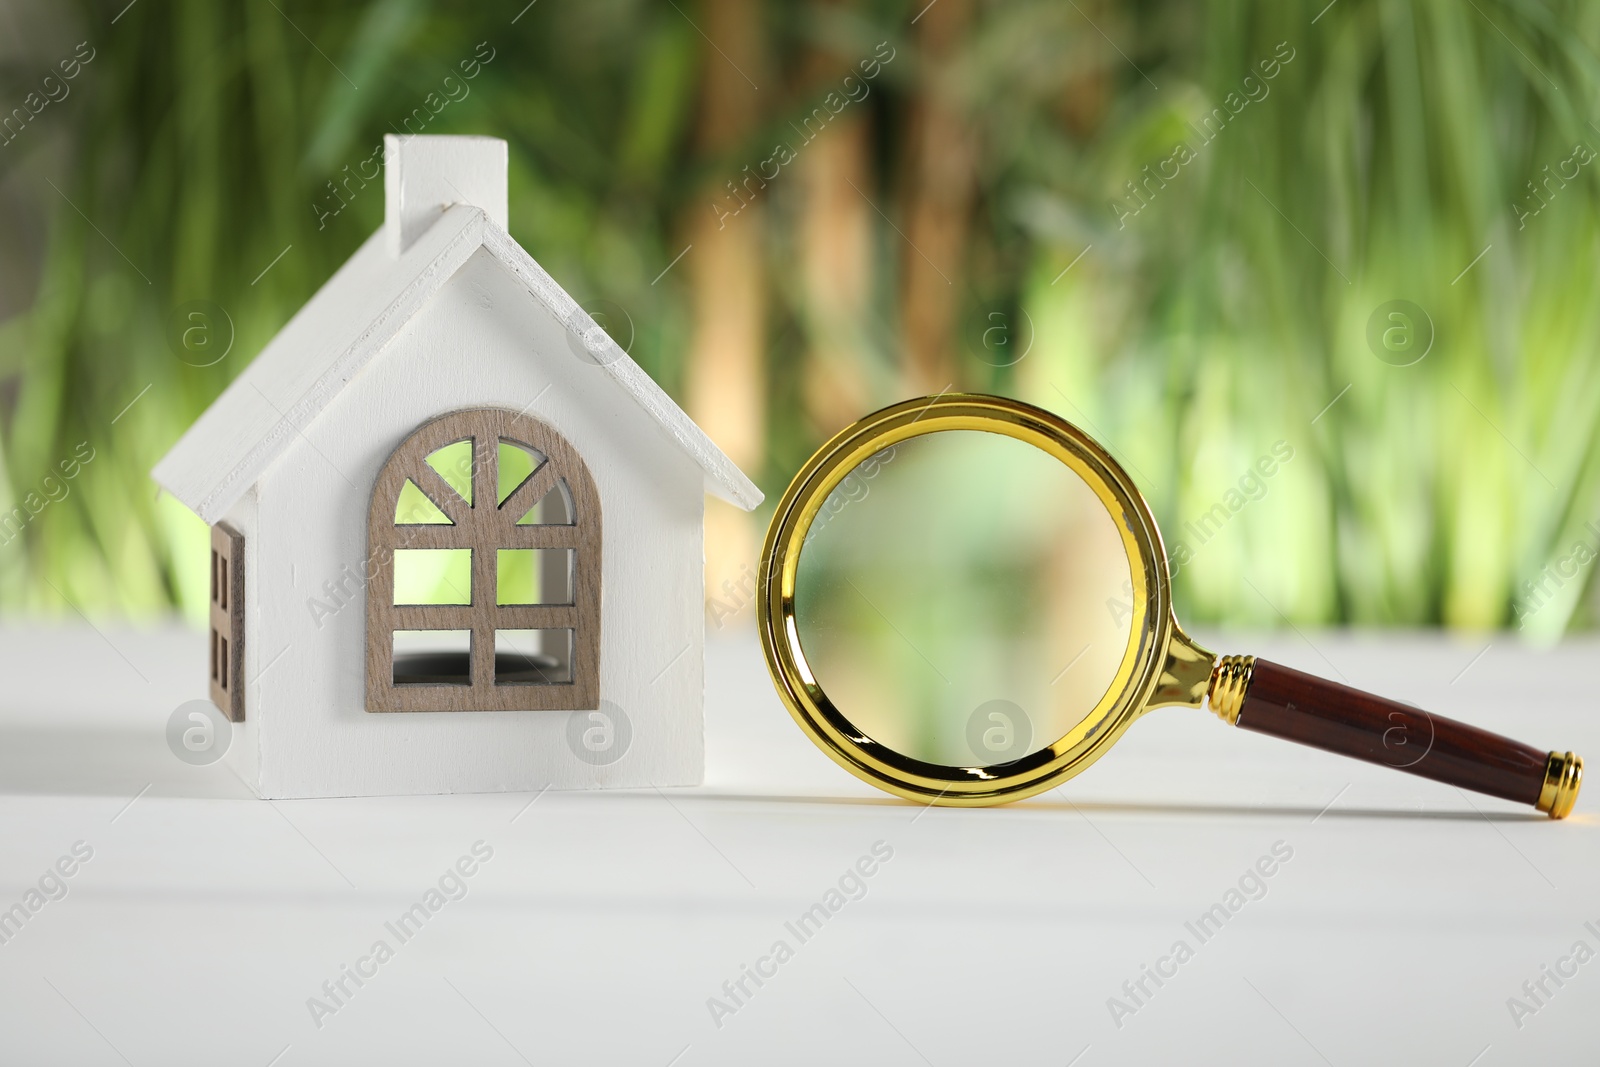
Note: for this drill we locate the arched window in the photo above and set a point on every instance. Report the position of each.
(483, 541)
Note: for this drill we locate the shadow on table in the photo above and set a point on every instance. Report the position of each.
(1180, 808)
(1287, 811)
(43, 762)
(124, 762)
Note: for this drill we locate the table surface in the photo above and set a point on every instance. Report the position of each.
(603, 926)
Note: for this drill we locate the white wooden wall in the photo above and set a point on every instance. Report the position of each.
(483, 341)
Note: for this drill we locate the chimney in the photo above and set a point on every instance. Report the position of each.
(424, 175)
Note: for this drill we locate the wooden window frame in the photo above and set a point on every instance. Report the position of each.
(227, 621)
(484, 526)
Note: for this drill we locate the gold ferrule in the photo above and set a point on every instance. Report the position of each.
(1228, 683)
(1563, 774)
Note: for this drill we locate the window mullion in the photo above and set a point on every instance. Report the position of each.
(483, 600)
(485, 492)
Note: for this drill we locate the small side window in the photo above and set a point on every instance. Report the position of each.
(227, 620)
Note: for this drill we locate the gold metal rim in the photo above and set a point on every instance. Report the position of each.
(1150, 645)
(1563, 777)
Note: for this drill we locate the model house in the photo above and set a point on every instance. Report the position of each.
(457, 534)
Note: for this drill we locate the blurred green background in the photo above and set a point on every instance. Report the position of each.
(1181, 225)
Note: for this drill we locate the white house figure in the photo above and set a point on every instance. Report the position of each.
(457, 533)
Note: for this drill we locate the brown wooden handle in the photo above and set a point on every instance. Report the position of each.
(1313, 711)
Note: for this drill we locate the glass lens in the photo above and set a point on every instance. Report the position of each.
(964, 598)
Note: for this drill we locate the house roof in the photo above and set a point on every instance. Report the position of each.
(348, 322)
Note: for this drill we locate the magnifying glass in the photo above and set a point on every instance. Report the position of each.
(965, 601)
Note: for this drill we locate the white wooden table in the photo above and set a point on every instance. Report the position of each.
(603, 923)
